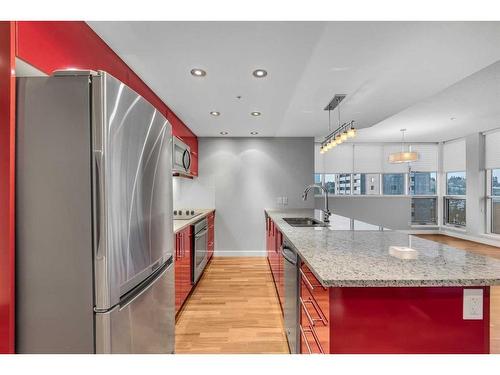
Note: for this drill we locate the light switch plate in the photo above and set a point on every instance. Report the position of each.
(473, 304)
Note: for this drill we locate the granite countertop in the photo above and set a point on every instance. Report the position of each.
(350, 253)
(181, 224)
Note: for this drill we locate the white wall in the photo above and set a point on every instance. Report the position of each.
(242, 176)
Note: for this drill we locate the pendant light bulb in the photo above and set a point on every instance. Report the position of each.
(338, 139)
(351, 133)
(343, 136)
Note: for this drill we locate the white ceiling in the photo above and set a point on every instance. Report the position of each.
(395, 74)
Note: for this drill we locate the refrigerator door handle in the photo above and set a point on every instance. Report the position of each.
(98, 203)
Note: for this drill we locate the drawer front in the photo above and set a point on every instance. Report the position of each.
(314, 314)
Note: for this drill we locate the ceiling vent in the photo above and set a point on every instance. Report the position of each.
(335, 102)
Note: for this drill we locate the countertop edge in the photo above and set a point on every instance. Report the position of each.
(186, 223)
(387, 283)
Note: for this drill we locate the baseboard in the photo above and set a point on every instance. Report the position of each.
(240, 253)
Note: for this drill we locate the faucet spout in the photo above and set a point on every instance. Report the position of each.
(326, 210)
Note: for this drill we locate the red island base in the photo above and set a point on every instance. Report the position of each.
(426, 320)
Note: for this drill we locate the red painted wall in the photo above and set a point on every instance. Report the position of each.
(73, 44)
(405, 320)
(7, 202)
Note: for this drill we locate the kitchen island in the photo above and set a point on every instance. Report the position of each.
(356, 295)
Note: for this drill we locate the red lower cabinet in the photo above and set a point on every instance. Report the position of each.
(183, 250)
(314, 307)
(274, 241)
(388, 320)
(211, 235)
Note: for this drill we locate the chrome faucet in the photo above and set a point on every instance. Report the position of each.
(326, 211)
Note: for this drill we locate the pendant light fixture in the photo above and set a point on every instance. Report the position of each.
(342, 132)
(403, 156)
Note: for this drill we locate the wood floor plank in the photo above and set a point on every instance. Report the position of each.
(486, 250)
(234, 309)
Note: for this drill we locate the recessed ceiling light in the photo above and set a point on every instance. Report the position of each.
(452, 118)
(215, 113)
(254, 133)
(255, 113)
(224, 133)
(198, 72)
(259, 73)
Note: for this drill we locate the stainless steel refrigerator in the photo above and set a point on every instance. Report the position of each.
(94, 236)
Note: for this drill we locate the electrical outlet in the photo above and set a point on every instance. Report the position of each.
(473, 304)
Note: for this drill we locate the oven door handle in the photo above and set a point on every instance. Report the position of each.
(201, 234)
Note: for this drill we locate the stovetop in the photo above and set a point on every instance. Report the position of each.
(185, 214)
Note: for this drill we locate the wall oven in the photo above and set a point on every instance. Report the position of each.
(200, 253)
(181, 157)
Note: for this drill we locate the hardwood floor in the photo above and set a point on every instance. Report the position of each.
(487, 250)
(234, 309)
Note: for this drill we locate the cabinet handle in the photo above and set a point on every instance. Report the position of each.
(315, 337)
(306, 280)
(313, 321)
(304, 338)
(308, 283)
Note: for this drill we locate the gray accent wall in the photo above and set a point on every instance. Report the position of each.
(241, 177)
(389, 212)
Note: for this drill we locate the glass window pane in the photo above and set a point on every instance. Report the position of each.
(330, 183)
(394, 183)
(318, 180)
(423, 183)
(455, 183)
(371, 184)
(495, 182)
(423, 211)
(344, 184)
(495, 215)
(358, 184)
(455, 211)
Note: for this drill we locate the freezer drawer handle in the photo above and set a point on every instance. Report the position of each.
(138, 291)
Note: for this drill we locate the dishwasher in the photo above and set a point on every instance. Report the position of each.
(291, 308)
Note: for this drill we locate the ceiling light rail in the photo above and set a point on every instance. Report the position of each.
(342, 133)
(339, 135)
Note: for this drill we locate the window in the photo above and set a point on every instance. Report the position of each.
(424, 211)
(495, 215)
(330, 183)
(494, 196)
(356, 184)
(344, 184)
(455, 211)
(423, 183)
(455, 183)
(495, 182)
(394, 184)
(318, 179)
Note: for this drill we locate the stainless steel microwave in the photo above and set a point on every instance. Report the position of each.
(181, 157)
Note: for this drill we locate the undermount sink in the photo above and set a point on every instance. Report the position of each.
(304, 222)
